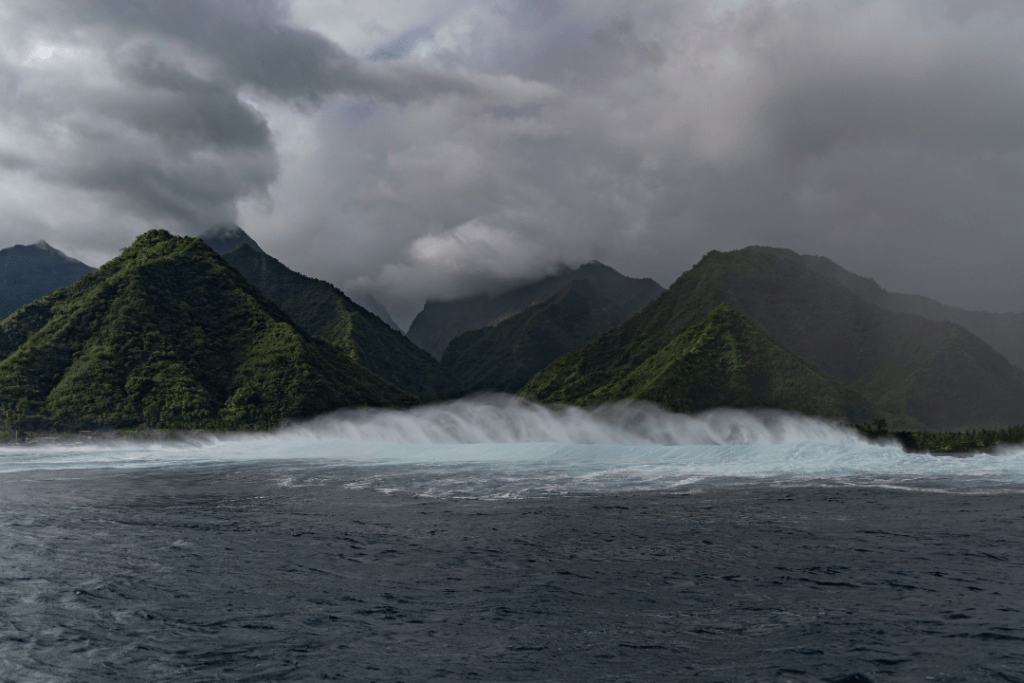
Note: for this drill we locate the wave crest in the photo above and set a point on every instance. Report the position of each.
(500, 418)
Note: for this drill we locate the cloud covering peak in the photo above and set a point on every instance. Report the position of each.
(432, 150)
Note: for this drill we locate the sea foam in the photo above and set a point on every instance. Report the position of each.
(500, 445)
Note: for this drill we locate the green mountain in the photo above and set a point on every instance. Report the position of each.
(724, 360)
(30, 272)
(917, 373)
(322, 310)
(442, 321)
(1004, 332)
(168, 335)
(505, 356)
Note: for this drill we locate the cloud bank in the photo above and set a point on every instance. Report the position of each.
(432, 150)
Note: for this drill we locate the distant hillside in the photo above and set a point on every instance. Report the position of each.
(505, 356)
(722, 360)
(914, 371)
(30, 272)
(367, 301)
(168, 335)
(1002, 331)
(440, 322)
(224, 238)
(324, 311)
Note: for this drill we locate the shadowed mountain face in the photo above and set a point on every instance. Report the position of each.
(503, 357)
(322, 310)
(726, 360)
(370, 303)
(169, 335)
(440, 322)
(30, 272)
(224, 238)
(915, 371)
(1002, 331)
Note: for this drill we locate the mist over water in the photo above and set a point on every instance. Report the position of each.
(498, 445)
(499, 418)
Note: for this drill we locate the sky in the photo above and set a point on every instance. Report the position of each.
(432, 150)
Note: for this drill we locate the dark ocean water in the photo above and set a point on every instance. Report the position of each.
(282, 571)
(498, 541)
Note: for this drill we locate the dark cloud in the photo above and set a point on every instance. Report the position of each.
(151, 108)
(183, 111)
(483, 143)
(885, 135)
(241, 43)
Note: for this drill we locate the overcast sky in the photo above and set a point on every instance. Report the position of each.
(435, 149)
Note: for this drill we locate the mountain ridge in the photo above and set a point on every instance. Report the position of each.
(440, 322)
(1002, 331)
(528, 341)
(904, 365)
(724, 359)
(169, 335)
(326, 312)
(30, 272)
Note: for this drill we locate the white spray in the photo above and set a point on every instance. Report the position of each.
(500, 418)
(501, 445)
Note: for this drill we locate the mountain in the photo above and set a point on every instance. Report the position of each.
(505, 356)
(30, 272)
(224, 238)
(441, 322)
(724, 359)
(322, 310)
(918, 373)
(168, 335)
(367, 301)
(1002, 331)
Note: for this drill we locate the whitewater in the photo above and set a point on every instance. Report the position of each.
(494, 539)
(502, 446)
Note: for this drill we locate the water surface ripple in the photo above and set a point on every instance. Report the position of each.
(498, 541)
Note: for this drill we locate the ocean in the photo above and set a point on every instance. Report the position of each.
(493, 539)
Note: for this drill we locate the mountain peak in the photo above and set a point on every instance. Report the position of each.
(918, 372)
(441, 322)
(43, 245)
(324, 311)
(224, 238)
(31, 271)
(176, 340)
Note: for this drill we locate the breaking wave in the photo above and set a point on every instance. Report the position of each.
(498, 445)
(499, 418)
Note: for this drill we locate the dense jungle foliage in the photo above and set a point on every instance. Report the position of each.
(917, 373)
(722, 360)
(168, 335)
(324, 311)
(969, 441)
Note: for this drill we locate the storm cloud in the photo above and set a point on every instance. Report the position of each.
(122, 115)
(433, 150)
